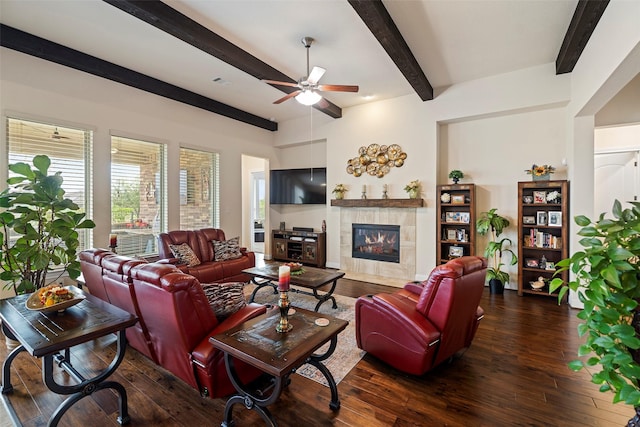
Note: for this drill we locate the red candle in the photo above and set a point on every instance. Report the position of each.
(113, 240)
(284, 274)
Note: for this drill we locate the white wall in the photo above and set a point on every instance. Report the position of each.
(494, 153)
(39, 89)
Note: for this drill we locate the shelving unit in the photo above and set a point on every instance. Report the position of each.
(543, 233)
(456, 230)
(306, 247)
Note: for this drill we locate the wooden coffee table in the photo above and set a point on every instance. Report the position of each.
(257, 343)
(51, 335)
(312, 278)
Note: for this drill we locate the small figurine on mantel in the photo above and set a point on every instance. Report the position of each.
(384, 191)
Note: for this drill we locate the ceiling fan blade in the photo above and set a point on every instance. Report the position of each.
(275, 82)
(315, 75)
(338, 88)
(284, 98)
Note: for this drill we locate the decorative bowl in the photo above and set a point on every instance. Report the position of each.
(33, 302)
(294, 266)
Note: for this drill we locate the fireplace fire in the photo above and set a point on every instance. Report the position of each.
(376, 242)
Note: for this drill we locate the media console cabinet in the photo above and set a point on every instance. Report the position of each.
(306, 247)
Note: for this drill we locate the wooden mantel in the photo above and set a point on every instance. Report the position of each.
(378, 203)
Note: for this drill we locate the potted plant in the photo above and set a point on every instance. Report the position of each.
(456, 175)
(39, 227)
(413, 189)
(494, 224)
(606, 275)
(339, 191)
(540, 172)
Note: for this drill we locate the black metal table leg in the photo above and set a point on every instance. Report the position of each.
(85, 386)
(260, 286)
(249, 398)
(316, 360)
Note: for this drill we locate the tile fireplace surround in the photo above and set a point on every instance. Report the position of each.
(386, 273)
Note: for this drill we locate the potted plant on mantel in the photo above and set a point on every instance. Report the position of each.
(39, 228)
(607, 282)
(491, 222)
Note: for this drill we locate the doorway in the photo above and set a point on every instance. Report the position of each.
(616, 178)
(258, 210)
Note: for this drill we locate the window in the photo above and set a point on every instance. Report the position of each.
(70, 151)
(199, 191)
(138, 190)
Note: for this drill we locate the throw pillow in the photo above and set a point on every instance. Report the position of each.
(225, 298)
(228, 249)
(185, 254)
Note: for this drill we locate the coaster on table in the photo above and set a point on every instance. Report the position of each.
(322, 322)
(291, 311)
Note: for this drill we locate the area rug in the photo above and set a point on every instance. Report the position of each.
(347, 354)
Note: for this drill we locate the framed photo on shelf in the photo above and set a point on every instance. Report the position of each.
(451, 234)
(451, 217)
(457, 199)
(555, 219)
(529, 220)
(461, 235)
(464, 217)
(550, 266)
(541, 218)
(531, 263)
(539, 197)
(456, 251)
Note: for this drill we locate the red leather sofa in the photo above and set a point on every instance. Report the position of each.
(423, 324)
(210, 270)
(175, 319)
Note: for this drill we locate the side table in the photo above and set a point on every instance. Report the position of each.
(50, 336)
(257, 343)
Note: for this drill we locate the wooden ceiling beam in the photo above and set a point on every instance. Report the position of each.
(169, 20)
(584, 21)
(20, 41)
(377, 19)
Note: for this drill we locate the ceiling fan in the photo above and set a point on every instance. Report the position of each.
(56, 135)
(308, 86)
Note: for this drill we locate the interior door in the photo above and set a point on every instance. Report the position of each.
(616, 177)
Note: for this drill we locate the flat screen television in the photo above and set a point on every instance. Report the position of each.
(298, 186)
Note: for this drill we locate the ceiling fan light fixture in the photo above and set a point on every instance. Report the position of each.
(308, 97)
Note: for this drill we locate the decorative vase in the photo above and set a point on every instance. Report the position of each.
(339, 195)
(544, 177)
(455, 180)
(413, 193)
(496, 286)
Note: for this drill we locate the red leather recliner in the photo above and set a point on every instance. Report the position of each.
(424, 324)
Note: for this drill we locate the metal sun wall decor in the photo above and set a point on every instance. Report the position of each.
(376, 160)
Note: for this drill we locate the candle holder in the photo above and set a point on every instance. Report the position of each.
(283, 325)
(384, 192)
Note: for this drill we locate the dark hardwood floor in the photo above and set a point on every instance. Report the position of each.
(514, 374)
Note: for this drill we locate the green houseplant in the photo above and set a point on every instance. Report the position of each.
(607, 279)
(494, 224)
(39, 227)
(456, 175)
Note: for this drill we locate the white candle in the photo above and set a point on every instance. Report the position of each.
(384, 187)
(364, 188)
(284, 274)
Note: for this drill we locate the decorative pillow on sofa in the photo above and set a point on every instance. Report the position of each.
(228, 249)
(225, 298)
(185, 254)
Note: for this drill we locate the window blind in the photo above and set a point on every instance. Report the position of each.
(138, 195)
(70, 151)
(199, 189)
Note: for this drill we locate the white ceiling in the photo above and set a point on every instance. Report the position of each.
(453, 41)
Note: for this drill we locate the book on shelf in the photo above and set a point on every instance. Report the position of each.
(539, 239)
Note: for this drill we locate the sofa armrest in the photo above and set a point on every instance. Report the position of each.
(204, 352)
(414, 287)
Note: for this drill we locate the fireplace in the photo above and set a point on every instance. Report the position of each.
(376, 242)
